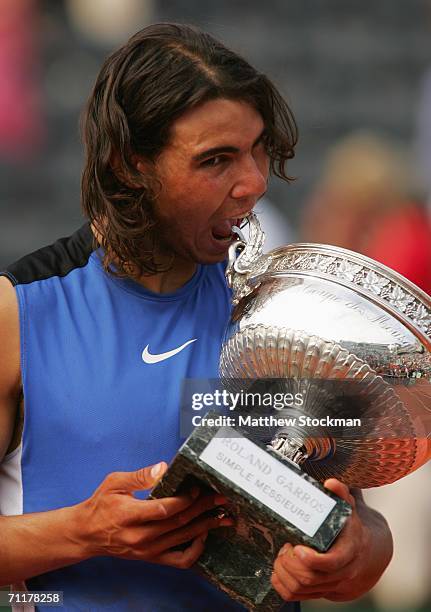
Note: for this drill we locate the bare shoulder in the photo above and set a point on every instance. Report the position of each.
(9, 333)
(10, 375)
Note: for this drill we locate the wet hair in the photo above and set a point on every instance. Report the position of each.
(163, 71)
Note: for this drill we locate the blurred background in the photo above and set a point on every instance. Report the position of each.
(358, 77)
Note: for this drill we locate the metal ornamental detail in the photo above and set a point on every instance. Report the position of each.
(247, 262)
(396, 296)
(326, 322)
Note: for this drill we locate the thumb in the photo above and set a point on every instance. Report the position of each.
(341, 490)
(145, 478)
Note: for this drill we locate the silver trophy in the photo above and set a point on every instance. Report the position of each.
(350, 338)
(316, 317)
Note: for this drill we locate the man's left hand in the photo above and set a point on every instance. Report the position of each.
(349, 568)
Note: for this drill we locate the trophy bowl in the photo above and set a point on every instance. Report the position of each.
(317, 319)
(349, 338)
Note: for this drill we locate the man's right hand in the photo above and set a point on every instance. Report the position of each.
(113, 522)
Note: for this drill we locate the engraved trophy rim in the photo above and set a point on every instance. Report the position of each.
(250, 273)
(379, 283)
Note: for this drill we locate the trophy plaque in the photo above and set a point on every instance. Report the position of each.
(352, 338)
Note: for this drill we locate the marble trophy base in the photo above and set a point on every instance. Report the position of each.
(239, 559)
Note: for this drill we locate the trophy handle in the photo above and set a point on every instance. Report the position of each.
(246, 260)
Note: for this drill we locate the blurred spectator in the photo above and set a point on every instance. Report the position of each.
(405, 585)
(363, 203)
(423, 136)
(20, 96)
(109, 22)
(423, 126)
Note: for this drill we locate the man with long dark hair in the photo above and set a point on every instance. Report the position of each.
(99, 329)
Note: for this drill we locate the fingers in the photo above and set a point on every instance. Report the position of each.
(180, 536)
(300, 579)
(287, 595)
(201, 505)
(345, 549)
(295, 581)
(142, 511)
(331, 561)
(148, 510)
(341, 490)
(186, 515)
(342, 551)
(145, 478)
(183, 559)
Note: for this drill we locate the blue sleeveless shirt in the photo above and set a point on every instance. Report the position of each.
(94, 406)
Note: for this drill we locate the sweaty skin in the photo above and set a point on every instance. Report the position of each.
(214, 169)
(212, 172)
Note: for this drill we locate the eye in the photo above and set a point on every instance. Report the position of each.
(214, 161)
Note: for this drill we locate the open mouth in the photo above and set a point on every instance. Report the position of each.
(223, 230)
(220, 238)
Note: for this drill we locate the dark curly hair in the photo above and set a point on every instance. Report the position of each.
(142, 88)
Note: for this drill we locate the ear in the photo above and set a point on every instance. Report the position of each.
(140, 165)
(122, 174)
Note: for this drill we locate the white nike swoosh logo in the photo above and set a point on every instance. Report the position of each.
(149, 358)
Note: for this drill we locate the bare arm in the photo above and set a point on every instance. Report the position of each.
(29, 543)
(110, 522)
(10, 377)
(375, 557)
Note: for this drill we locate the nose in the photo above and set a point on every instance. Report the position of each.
(252, 178)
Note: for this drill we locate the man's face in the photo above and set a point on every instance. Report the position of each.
(212, 173)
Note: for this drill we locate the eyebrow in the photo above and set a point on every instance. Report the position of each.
(224, 149)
